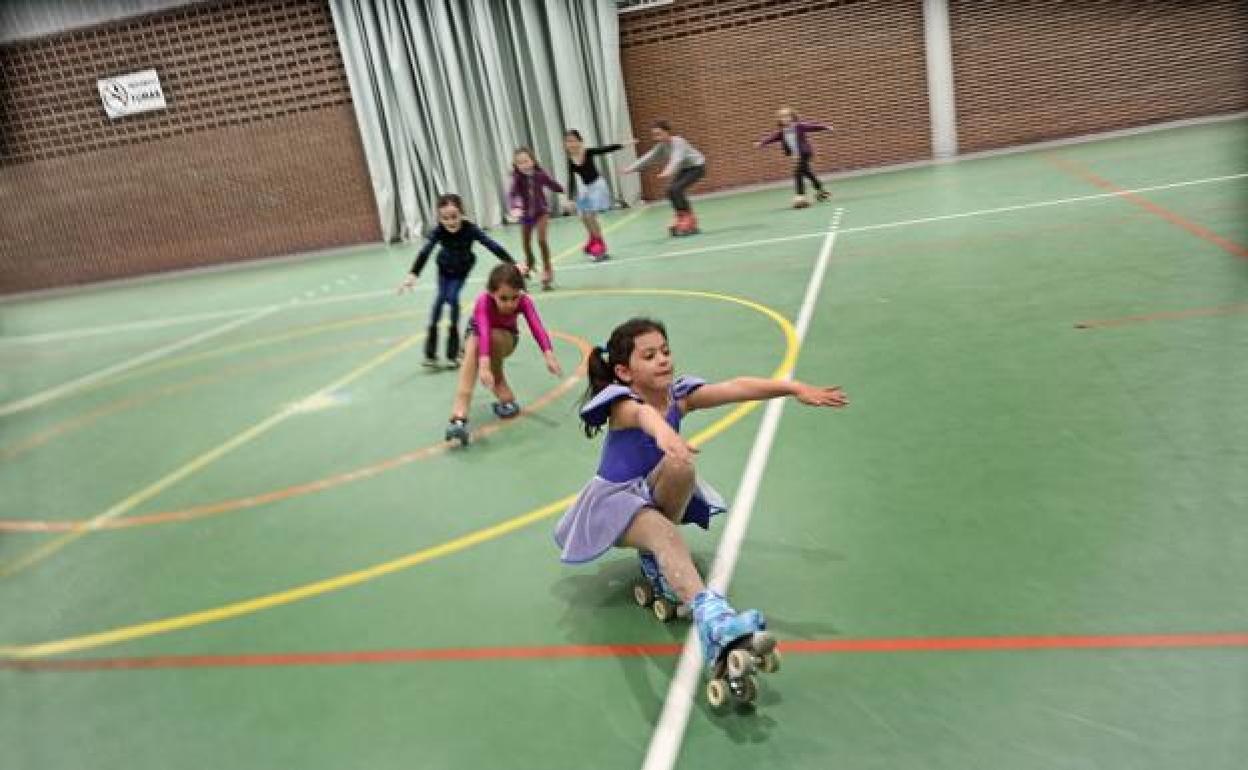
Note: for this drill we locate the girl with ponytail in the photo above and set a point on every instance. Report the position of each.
(646, 484)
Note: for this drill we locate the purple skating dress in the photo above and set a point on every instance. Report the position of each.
(621, 487)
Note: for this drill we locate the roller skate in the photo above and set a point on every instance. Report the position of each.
(684, 224)
(588, 248)
(735, 646)
(823, 195)
(453, 353)
(652, 590)
(505, 410)
(431, 347)
(548, 279)
(598, 249)
(457, 430)
(801, 202)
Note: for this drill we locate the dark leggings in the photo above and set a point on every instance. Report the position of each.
(802, 172)
(448, 294)
(684, 178)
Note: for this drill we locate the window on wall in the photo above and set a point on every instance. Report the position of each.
(624, 6)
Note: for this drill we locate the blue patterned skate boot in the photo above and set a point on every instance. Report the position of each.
(653, 590)
(735, 646)
(457, 430)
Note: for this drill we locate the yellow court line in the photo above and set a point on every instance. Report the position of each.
(303, 331)
(308, 590)
(199, 463)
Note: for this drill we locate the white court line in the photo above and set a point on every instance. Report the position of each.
(158, 323)
(57, 391)
(174, 320)
(670, 730)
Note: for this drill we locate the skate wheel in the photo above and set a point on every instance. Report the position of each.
(770, 662)
(643, 594)
(663, 610)
(717, 692)
(746, 689)
(740, 663)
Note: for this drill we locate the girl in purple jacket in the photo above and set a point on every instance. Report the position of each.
(791, 133)
(527, 198)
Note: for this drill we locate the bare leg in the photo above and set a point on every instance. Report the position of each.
(502, 345)
(592, 224)
(654, 532)
(672, 487)
(467, 378)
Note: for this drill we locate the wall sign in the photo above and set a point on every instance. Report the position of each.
(129, 94)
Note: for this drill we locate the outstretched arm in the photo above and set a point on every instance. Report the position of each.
(770, 138)
(759, 389)
(494, 246)
(410, 279)
(645, 160)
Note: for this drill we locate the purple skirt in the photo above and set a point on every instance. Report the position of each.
(604, 510)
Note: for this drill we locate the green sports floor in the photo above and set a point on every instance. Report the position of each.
(231, 536)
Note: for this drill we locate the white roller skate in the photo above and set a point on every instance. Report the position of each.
(735, 646)
(652, 590)
(801, 202)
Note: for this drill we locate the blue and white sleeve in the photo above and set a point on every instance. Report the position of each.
(598, 409)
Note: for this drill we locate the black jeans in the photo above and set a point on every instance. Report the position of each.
(802, 172)
(684, 178)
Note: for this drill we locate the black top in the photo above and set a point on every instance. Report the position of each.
(455, 260)
(587, 170)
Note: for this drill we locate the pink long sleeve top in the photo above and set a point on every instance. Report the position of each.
(487, 317)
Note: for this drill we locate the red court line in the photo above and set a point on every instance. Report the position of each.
(1079, 170)
(815, 646)
(1173, 315)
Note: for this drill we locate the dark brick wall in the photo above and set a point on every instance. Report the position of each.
(1030, 70)
(257, 154)
(1024, 70)
(719, 69)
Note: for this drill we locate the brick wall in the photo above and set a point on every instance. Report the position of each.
(1030, 70)
(1024, 71)
(257, 154)
(719, 69)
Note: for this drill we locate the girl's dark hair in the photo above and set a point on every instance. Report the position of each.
(450, 199)
(526, 151)
(506, 274)
(601, 363)
(664, 125)
(572, 133)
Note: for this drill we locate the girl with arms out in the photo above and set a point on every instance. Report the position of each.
(685, 165)
(453, 237)
(593, 198)
(646, 484)
(791, 133)
(529, 206)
